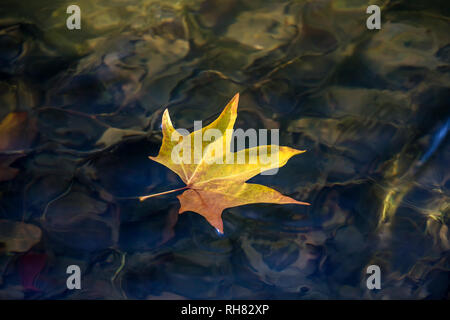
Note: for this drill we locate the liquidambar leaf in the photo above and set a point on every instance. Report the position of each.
(213, 183)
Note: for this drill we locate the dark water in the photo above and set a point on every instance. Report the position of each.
(371, 108)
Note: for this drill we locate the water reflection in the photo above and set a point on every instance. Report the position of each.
(371, 108)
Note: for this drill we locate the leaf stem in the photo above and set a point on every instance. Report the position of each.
(162, 193)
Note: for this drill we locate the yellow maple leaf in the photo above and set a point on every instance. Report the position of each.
(213, 183)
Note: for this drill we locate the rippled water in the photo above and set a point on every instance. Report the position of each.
(371, 108)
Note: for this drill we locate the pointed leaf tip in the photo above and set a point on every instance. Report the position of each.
(235, 101)
(166, 121)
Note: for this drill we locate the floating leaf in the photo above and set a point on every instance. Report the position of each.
(213, 185)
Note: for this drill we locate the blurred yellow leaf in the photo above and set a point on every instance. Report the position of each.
(18, 236)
